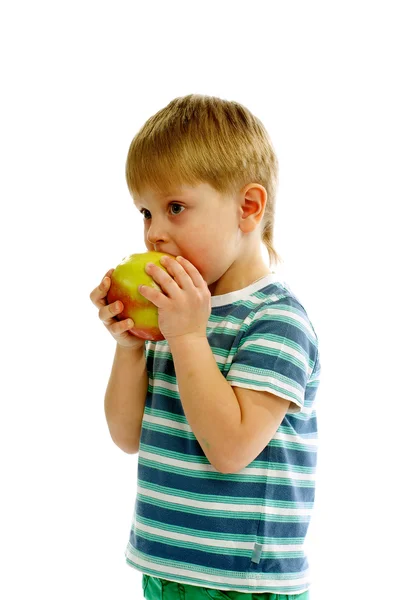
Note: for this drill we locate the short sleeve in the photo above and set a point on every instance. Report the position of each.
(277, 353)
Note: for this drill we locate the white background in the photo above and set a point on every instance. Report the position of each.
(78, 80)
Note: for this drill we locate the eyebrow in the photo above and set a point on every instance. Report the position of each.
(167, 199)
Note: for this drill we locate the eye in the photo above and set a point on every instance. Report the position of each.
(178, 205)
(144, 210)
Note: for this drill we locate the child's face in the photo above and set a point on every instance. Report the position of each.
(197, 223)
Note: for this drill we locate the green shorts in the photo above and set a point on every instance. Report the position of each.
(155, 588)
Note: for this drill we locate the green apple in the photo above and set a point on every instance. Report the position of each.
(125, 280)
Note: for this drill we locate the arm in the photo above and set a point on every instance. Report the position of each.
(232, 427)
(125, 397)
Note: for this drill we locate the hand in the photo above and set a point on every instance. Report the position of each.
(107, 314)
(184, 302)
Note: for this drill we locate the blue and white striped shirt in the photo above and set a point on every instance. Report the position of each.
(243, 531)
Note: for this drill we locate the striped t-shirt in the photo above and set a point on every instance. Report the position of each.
(240, 531)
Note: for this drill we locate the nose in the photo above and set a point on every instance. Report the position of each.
(156, 234)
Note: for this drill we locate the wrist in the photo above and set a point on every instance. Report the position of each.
(187, 340)
(130, 350)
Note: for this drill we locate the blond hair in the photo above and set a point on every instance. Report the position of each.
(204, 139)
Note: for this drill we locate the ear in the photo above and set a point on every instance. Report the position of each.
(253, 200)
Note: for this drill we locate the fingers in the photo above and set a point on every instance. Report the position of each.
(184, 273)
(99, 293)
(191, 270)
(109, 311)
(120, 326)
(105, 284)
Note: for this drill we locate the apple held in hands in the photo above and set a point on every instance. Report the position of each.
(125, 280)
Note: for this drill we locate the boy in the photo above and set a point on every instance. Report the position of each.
(221, 412)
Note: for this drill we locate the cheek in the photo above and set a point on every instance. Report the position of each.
(199, 255)
(206, 260)
(208, 247)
